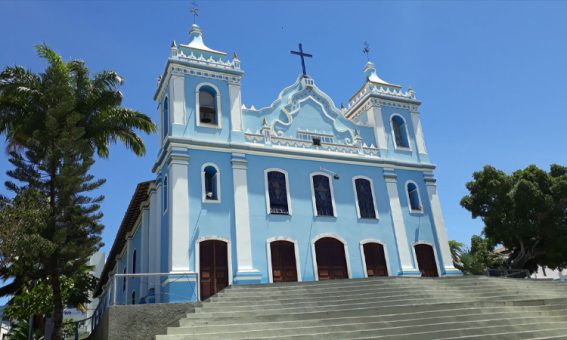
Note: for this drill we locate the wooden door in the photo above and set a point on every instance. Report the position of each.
(213, 265)
(375, 260)
(283, 261)
(331, 261)
(426, 260)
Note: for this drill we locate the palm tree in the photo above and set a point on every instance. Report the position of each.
(28, 99)
(41, 113)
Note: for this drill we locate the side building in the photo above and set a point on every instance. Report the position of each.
(297, 191)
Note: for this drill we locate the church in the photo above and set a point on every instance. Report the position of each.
(300, 190)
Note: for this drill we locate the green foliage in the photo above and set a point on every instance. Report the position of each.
(526, 212)
(54, 123)
(477, 259)
(19, 331)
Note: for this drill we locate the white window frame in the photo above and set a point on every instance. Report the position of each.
(313, 174)
(356, 198)
(203, 193)
(267, 191)
(418, 196)
(197, 112)
(314, 254)
(439, 273)
(269, 254)
(396, 146)
(165, 195)
(166, 128)
(363, 256)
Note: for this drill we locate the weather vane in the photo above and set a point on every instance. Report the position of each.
(195, 11)
(366, 50)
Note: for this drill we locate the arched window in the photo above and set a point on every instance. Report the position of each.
(208, 110)
(364, 198)
(322, 196)
(413, 197)
(278, 194)
(400, 132)
(210, 180)
(165, 193)
(134, 262)
(165, 121)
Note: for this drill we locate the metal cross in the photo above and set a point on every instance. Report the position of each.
(302, 55)
(366, 50)
(195, 11)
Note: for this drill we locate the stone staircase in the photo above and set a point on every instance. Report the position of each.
(473, 307)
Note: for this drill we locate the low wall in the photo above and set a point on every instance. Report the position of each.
(139, 322)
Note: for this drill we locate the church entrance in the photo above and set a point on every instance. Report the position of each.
(426, 260)
(375, 259)
(283, 261)
(331, 261)
(213, 267)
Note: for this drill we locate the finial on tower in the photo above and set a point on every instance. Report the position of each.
(366, 50)
(234, 55)
(173, 44)
(195, 12)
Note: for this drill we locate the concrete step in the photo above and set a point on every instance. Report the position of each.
(331, 303)
(244, 294)
(370, 294)
(433, 331)
(374, 309)
(297, 290)
(379, 322)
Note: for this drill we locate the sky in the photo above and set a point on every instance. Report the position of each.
(490, 75)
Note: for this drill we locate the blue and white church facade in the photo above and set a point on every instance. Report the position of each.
(296, 191)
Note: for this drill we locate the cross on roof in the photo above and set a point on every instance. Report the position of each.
(302, 55)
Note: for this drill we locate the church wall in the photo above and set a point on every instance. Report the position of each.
(210, 220)
(190, 128)
(419, 226)
(406, 155)
(302, 226)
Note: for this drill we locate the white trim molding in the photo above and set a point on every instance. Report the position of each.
(218, 180)
(219, 110)
(439, 272)
(269, 255)
(314, 254)
(411, 210)
(356, 197)
(363, 256)
(198, 256)
(396, 146)
(330, 178)
(267, 191)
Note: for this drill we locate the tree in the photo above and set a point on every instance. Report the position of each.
(54, 123)
(526, 212)
(476, 259)
(456, 248)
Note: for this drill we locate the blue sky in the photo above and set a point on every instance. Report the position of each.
(491, 75)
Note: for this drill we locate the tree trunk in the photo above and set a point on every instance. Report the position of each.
(57, 315)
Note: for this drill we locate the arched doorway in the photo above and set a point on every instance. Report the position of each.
(426, 260)
(284, 267)
(375, 258)
(331, 261)
(213, 267)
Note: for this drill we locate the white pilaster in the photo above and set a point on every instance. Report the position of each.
(418, 133)
(376, 120)
(178, 202)
(177, 100)
(439, 226)
(235, 107)
(404, 252)
(245, 270)
(144, 248)
(154, 233)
